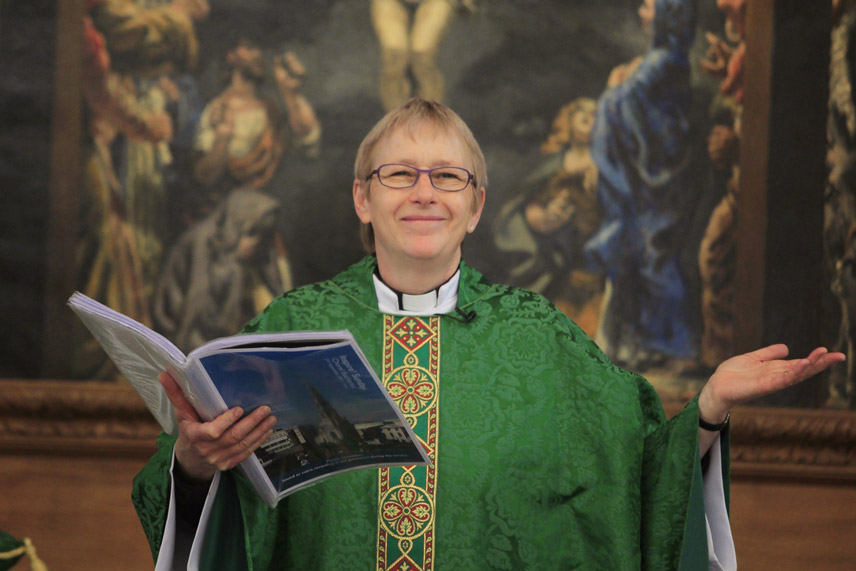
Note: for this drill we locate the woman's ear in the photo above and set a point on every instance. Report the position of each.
(478, 206)
(361, 201)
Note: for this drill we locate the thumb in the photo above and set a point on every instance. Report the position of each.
(183, 409)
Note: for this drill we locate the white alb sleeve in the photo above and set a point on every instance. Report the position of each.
(720, 542)
(172, 544)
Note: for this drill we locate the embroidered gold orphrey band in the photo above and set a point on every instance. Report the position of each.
(411, 365)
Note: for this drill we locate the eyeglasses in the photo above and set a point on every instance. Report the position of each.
(447, 179)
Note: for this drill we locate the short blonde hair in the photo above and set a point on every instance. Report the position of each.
(412, 114)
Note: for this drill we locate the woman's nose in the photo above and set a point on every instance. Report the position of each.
(424, 189)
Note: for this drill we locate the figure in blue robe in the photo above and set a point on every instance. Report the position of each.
(640, 146)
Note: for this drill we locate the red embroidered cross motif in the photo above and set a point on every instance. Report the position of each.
(411, 334)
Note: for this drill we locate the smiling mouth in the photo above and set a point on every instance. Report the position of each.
(422, 219)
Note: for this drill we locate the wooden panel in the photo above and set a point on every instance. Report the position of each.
(752, 201)
(786, 526)
(779, 285)
(77, 511)
(66, 161)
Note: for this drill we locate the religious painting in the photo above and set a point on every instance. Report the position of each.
(217, 138)
(627, 220)
(178, 229)
(840, 199)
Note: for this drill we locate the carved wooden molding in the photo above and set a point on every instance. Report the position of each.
(792, 443)
(69, 417)
(99, 418)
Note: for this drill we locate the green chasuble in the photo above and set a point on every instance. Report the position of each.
(547, 455)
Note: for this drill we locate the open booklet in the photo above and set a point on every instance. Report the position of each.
(333, 414)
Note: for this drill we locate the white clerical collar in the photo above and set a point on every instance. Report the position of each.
(442, 299)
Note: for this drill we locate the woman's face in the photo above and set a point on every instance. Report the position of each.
(581, 123)
(419, 223)
(646, 15)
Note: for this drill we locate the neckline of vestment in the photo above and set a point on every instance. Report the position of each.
(441, 299)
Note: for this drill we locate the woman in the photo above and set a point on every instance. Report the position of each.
(545, 454)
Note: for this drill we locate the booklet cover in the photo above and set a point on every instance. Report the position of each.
(333, 414)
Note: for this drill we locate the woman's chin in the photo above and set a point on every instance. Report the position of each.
(429, 250)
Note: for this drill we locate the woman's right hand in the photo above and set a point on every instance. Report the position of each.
(203, 448)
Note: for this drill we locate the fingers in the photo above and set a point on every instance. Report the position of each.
(239, 441)
(820, 355)
(183, 409)
(832, 358)
(246, 445)
(818, 361)
(222, 442)
(204, 448)
(217, 427)
(815, 355)
(770, 353)
(240, 434)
